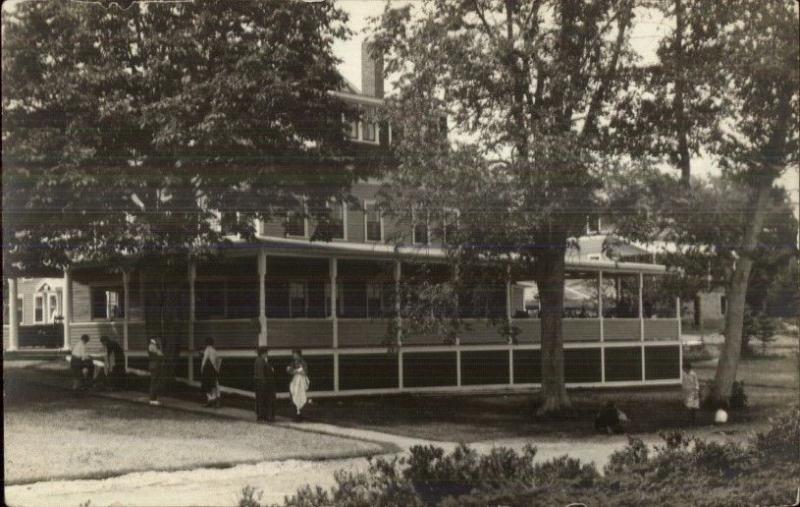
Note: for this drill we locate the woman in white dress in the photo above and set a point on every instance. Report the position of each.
(209, 374)
(299, 385)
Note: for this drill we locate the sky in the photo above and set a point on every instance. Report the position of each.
(648, 31)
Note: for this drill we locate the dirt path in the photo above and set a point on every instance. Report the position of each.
(276, 479)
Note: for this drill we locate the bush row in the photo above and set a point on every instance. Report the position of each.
(683, 470)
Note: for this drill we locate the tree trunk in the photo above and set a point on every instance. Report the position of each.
(684, 159)
(551, 294)
(737, 290)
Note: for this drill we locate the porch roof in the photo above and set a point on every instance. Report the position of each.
(304, 247)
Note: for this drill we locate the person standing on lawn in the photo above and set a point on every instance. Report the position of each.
(299, 385)
(114, 363)
(691, 391)
(81, 364)
(264, 376)
(209, 374)
(156, 356)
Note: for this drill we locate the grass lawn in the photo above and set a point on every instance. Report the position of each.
(50, 434)
(770, 383)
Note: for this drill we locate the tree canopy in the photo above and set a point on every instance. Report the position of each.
(130, 131)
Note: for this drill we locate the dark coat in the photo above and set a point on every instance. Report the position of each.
(263, 374)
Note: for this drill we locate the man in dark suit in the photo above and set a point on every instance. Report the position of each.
(264, 376)
(114, 363)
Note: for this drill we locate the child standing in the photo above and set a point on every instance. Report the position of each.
(691, 390)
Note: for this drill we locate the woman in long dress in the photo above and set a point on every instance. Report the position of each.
(299, 385)
(691, 391)
(209, 374)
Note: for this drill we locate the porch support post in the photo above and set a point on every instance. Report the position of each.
(398, 323)
(262, 298)
(678, 316)
(126, 306)
(398, 273)
(641, 310)
(13, 331)
(333, 268)
(192, 311)
(66, 302)
(641, 321)
(602, 327)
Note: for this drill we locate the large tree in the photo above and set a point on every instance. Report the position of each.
(726, 226)
(525, 87)
(148, 134)
(763, 113)
(128, 132)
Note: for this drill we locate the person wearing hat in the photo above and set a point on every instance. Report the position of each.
(264, 377)
(156, 356)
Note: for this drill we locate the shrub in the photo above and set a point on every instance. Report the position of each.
(683, 470)
(781, 443)
(738, 399)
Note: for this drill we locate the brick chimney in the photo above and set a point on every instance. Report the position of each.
(371, 71)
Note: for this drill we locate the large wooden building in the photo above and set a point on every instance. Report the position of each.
(335, 300)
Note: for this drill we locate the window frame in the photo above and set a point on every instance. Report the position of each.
(343, 206)
(304, 212)
(414, 221)
(39, 310)
(367, 204)
(107, 287)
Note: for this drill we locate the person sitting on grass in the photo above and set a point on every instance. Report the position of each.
(82, 365)
(610, 419)
(691, 391)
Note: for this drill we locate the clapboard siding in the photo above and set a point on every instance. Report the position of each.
(621, 329)
(95, 330)
(299, 333)
(581, 330)
(81, 302)
(355, 224)
(137, 338)
(530, 330)
(272, 227)
(661, 329)
(480, 332)
(233, 334)
(363, 332)
(27, 310)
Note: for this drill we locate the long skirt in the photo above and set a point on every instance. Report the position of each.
(209, 378)
(298, 388)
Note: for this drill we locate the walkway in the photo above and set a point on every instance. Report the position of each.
(275, 479)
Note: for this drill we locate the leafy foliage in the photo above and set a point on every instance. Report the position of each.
(133, 132)
(684, 470)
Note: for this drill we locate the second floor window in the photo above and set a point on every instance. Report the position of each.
(372, 216)
(295, 224)
(336, 219)
(421, 233)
